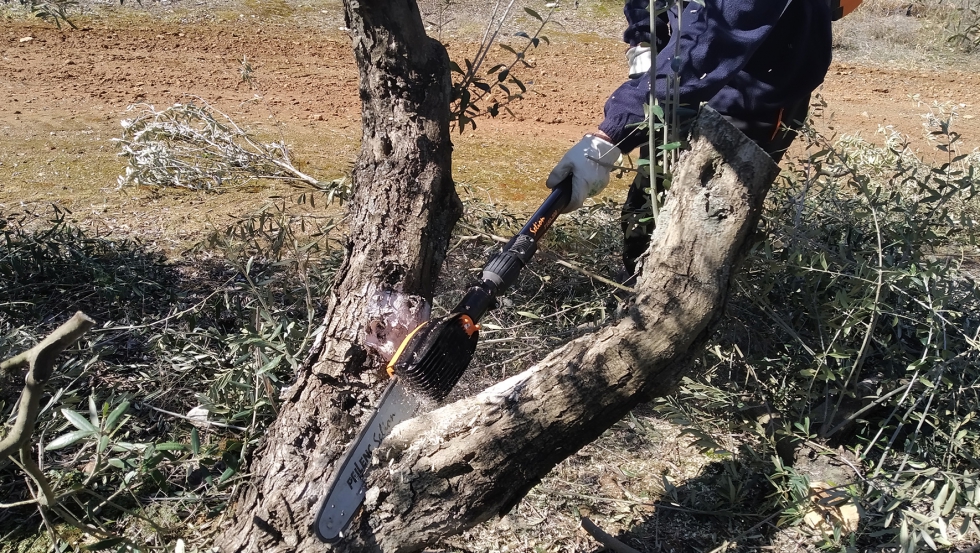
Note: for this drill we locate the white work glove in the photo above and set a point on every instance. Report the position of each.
(589, 162)
(639, 59)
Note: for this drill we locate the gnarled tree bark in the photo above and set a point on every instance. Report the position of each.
(403, 208)
(455, 467)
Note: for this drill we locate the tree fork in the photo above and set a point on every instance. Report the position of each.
(401, 214)
(460, 465)
(40, 361)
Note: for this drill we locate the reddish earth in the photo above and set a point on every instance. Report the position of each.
(64, 93)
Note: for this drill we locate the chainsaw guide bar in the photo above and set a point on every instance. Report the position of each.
(347, 488)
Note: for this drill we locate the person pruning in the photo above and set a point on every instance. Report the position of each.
(756, 62)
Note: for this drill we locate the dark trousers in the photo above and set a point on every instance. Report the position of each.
(773, 136)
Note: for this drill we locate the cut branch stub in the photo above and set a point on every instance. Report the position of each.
(457, 466)
(40, 360)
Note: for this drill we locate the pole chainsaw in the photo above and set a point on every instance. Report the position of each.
(430, 361)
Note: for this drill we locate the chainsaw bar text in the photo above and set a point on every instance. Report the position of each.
(356, 477)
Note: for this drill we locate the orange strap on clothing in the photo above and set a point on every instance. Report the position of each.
(840, 8)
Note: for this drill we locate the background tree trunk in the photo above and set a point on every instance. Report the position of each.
(403, 208)
(466, 462)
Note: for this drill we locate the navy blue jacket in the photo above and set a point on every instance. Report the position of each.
(746, 58)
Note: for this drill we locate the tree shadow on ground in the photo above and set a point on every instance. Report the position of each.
(720, 505)
(51, 268)
(159, 341)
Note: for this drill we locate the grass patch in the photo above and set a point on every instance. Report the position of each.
(269, 8)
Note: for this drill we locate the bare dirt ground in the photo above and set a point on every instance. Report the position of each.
(64, 93)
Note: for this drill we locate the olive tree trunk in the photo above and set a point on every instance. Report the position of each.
(455, 467)
(464, 463)
(401, 213)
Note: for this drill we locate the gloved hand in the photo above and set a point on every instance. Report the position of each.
(589, 162)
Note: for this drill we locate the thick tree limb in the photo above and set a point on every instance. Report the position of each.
(458, 466)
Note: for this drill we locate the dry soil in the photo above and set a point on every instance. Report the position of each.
(65, 91)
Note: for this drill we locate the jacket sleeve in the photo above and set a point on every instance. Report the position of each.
(637, 13)
(714, 43)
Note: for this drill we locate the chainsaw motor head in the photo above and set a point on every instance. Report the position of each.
(434, 356)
